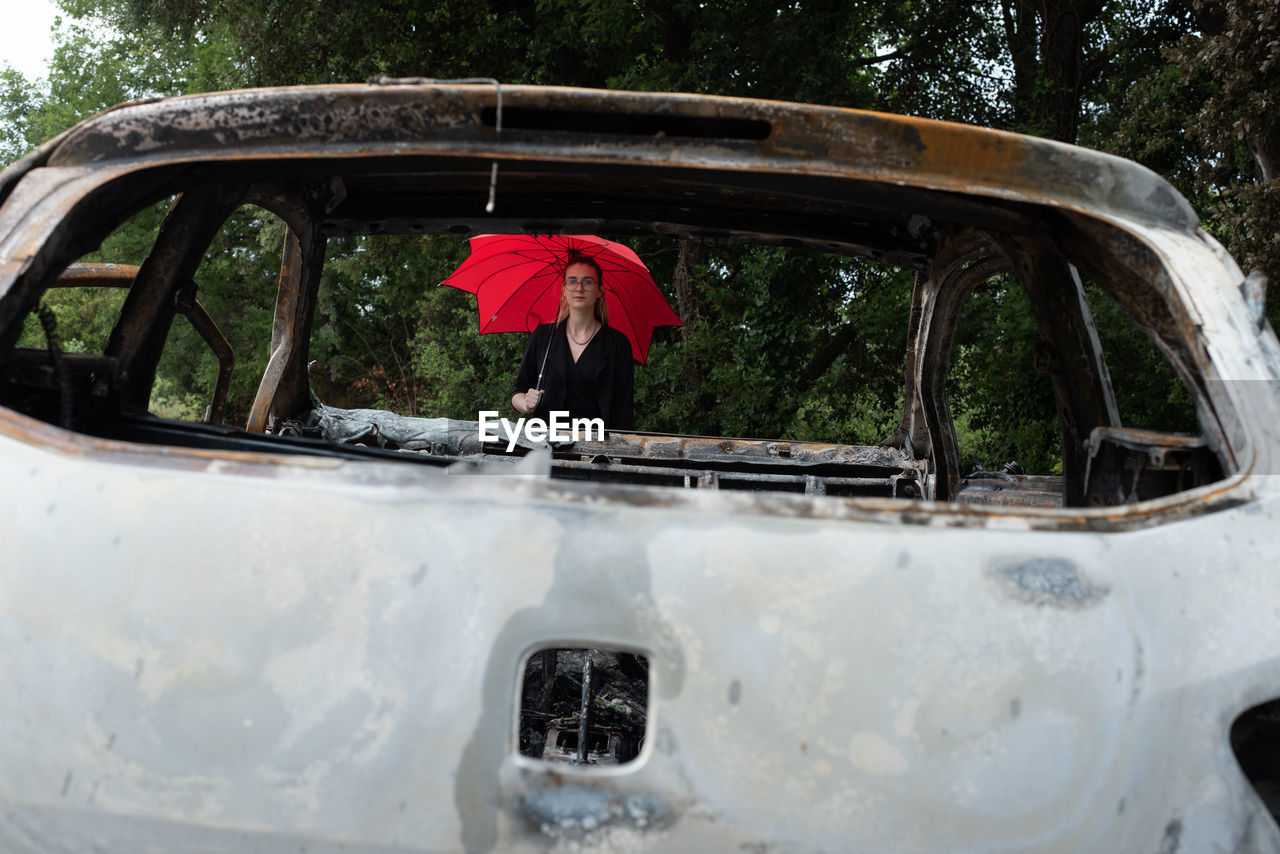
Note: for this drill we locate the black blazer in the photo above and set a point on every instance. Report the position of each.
(606, 360)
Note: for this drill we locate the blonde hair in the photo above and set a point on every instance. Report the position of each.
(601, 308)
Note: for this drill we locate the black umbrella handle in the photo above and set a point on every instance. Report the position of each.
(541, 370)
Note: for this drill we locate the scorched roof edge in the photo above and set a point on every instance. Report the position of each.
(366, 119)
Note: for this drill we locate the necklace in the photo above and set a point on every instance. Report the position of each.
(576, 341)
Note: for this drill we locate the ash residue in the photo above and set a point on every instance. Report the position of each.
(577, 812)
(1052, 582)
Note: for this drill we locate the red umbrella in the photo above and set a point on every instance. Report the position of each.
(517, 278)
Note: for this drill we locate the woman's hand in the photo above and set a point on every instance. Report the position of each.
(527, 401)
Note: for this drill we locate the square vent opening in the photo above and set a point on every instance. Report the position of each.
(583, 706)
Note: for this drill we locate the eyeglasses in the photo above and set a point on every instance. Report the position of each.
(585, 283)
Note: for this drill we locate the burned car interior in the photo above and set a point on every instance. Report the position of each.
(953, 242)
(243, 612)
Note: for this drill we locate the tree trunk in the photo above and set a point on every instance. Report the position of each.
(1266, 152)
(1046, 41)
(688, 300)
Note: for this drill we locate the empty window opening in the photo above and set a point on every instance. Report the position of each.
(584, 706)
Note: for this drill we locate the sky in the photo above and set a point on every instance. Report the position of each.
(25, 40)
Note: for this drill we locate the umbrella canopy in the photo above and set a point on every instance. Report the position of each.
(517, 279)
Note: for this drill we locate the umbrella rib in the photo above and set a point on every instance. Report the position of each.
(549, 286)
(521, 253)
(487, 278)
(526, 255)
(516, 290)
(505, 269)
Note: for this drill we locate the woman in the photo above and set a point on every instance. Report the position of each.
(589, 370)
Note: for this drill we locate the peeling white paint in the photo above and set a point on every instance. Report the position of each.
(873, 754)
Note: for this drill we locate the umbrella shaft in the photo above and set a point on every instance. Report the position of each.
(542, 369)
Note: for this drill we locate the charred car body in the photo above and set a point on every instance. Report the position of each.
(229, 638)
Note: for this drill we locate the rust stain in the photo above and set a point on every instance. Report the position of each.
(40, 434)
(96, 275)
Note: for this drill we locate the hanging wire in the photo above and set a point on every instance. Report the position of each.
(383, 80)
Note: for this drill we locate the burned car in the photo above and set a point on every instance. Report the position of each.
(232, 637)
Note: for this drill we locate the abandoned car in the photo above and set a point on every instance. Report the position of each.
(255, 636)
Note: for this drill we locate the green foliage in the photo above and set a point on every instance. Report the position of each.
(1148, 393)
(168, 400)
(84, 319)
(1206, 114)
(18, 100)
(389, 336)
(1000, 396)
(788, 343)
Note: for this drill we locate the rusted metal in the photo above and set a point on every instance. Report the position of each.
(1018, 491)
(1133, 275)
(581, 753)
(966, 259)
(912, 433)
(584, 713)
(138, 337)
(186, 304)
(1081, 383)
(1146, 440)
(742, 476)
(653, 446)
(547, 659)
(1082, 386)
(284, 390)
(369, 119)
(106, 275)
(1126, 465)
(1226, 494)
(403, 117)
(719, 462)
(96, 276)
(33, 159)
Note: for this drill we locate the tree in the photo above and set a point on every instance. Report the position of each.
(1239, 121)
(1206, 114)
(18, 100)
